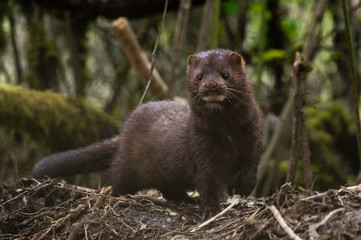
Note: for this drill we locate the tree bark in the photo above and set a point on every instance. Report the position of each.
(299, 128)
(307, 171)
(178, 42)
(243, 7)
(14, 45)
(203, 38)
(75, 58)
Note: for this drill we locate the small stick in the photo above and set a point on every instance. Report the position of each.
(314, 197)
(101, 196)
(283, 223)
(356, 188)
(328, 217)
(86, 231)
(215, 217)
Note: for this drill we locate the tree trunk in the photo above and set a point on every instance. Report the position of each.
(203, 38)
(14, 45)
(178, 42)
(74, 57)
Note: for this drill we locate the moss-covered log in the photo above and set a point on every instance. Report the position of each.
(51, 119)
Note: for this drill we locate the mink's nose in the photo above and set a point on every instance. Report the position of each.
(211, 86)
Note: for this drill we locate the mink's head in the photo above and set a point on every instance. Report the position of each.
(218, 79)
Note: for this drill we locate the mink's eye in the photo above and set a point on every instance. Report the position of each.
(199, 77)
(225, 76)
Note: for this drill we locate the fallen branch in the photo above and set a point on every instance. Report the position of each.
(137, 57)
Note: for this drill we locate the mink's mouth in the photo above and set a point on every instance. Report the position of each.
(214, 98)
(214, 102)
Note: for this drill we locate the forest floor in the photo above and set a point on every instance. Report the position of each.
(51, 210)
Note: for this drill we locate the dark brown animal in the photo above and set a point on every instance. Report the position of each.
(174, 147)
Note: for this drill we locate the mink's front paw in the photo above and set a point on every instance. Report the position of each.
(210, 211)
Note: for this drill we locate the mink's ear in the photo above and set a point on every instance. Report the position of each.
(192, 59)
(236, 58)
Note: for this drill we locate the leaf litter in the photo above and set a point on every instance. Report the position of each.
(32, 209)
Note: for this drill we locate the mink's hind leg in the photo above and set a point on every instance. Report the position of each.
(123, 183)
(118, 190)
(178, 196)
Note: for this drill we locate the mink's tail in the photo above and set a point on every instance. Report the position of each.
(95, 157)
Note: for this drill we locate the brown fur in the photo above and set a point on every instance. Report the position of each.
(174, 147)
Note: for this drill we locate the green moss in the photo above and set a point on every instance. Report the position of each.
(56, 121)
(330, 127)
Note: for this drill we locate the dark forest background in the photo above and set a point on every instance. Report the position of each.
(65, 81)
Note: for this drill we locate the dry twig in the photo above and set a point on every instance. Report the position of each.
(329, 215)
(283, 223)
(154, 52)
(101, 196)
(215, 217)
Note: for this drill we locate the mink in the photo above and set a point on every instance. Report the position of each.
(212, 143)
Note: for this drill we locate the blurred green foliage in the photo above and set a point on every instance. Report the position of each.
(44, 117)
(333, 144)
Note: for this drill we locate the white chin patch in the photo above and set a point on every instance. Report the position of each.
(214, 99)
(214, 106)
(214, 102)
